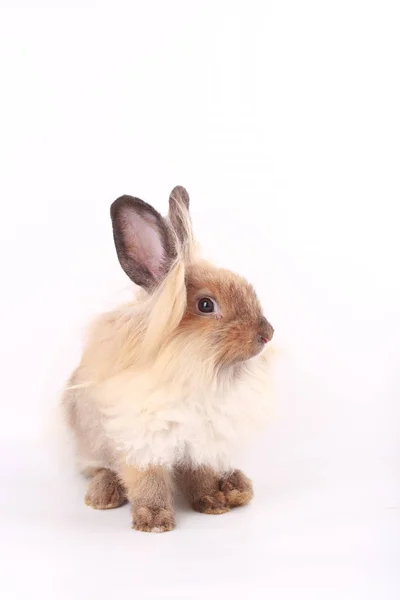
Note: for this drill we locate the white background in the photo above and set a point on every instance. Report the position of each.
(282, 120)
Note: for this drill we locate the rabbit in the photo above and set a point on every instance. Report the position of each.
(171, 384)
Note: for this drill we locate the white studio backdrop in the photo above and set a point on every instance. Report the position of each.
(282, 120)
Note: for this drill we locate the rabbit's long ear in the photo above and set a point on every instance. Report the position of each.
(142, 240)
(179, 213)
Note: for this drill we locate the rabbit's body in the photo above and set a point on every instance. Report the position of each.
(164, 387)
(163, 426)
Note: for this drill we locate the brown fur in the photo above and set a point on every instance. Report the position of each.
(209, 493)
(237, 489)
(105, 491)
(201, 486)
(150, 493)
(238, 330)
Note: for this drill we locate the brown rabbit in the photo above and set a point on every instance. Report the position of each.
(170, 383)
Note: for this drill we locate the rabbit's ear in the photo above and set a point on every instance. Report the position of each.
(179, 212)
(142, 241)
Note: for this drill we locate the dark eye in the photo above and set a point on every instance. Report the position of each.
(205, 305)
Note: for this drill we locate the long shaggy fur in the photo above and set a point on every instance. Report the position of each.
(153, 387)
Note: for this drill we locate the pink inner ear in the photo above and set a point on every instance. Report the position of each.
(143, 241)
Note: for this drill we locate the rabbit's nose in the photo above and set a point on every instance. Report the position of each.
(266, 331)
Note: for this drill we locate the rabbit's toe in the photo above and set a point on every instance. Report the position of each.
(236, 488)
(153, 520)
(213, 504)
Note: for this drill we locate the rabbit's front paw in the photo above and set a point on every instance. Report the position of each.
(236, 488)
(153, 519)
(105, 491)
(212, 504)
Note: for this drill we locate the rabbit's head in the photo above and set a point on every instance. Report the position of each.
(190, 305)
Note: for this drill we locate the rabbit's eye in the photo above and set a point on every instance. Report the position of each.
(205, 305)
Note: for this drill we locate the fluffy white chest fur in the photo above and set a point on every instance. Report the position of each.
(173, 421)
